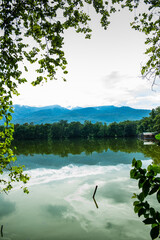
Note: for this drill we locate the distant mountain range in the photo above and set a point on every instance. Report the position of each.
(50, 114)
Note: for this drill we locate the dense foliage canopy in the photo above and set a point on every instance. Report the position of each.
(151, 123)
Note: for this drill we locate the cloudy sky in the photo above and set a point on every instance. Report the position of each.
(102, 71)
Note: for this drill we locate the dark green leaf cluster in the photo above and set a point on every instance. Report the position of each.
(43, 22)
(6, 154)
(157, 137)
(149, 183)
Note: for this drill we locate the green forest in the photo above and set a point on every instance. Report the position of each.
(87, 130)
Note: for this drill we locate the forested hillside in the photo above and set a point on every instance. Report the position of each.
(65, 130)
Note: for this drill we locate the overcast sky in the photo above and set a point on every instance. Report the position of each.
(102, 71)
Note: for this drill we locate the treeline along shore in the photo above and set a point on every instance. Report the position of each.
(65, 130)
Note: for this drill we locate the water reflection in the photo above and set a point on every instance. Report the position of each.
(64, 209)
(64, 148)
(6, 207)
(63, 178)
(95, 202)
(56, 211)
(1, 230)
(119, 193)
(94, 196)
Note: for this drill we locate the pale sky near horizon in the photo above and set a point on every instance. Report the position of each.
(104, 70)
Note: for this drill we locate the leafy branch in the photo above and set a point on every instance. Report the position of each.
(149, 183)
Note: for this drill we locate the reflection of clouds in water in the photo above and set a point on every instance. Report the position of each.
(117, 192)
(44, 175)
(56, 210)
(113, 230)
(69, 208)
(115, 205)
(68, 212)
(119, 229)
(6, 207)
(109, 225)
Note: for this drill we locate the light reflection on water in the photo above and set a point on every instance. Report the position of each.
(60, 203)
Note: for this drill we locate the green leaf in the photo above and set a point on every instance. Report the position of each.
(11, 110)
(158, 196)
(141, 182)
(133, 162)
(138, 207)
(158, 216)
(138, 164)
(146, 205)
(157, 179)
(149, 221)
(25, 68)
(141, 196)
(25, 190)
(136, 203)
(143, 70)
(142, 211)
(146, 187)
(154, 169)
(157, 137)
(146, 215)
(154, 189)
(153, 212)
(134, 195)
(154, 232)
(133, 173)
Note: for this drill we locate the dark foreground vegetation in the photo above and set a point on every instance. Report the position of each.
(87, 130)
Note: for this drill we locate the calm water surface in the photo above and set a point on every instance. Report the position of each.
(63, 178)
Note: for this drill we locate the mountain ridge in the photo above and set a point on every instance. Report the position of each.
(49, 114)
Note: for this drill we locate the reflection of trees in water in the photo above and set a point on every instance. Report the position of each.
(152, 151)
(78, 146)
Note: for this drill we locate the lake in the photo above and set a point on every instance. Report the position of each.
(63, 178)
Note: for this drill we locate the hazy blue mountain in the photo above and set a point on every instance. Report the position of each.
(50, 114)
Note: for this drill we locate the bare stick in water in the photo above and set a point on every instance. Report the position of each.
(95, 191)
(1, 230)
(95, 202)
